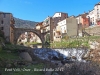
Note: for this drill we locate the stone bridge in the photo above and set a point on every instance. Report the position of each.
(19, 31)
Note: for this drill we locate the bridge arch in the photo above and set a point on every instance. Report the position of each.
(19, 31)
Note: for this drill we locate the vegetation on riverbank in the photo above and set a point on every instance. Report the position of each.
(10, 59)
(75, 42)
(10, 55)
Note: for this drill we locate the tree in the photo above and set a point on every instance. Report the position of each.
(48, 38)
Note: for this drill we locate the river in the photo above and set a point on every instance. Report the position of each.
(75, 54)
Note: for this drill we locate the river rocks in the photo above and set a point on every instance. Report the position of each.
(0, 73)
(0, 47)
(59, 54)
(93, 44)
(8, 51)
(48, 73)
(95, 55)
(55, 58)
(55, 73)
(21, 63)
(57, 63)
(73, 57)
(8, 65)
(26, 56)
(31, 46)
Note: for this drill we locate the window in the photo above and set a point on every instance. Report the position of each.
(1, 21)
(54, 34)
(93, 18)
(47, 22)
(97, 11)
(93, 23)
(97, 16)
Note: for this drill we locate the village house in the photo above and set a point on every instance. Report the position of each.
(66, 27)
(50, 23)
(94, 15)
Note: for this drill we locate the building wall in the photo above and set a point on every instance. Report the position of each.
(78, 19)
(85, 21)
(46, 24)
(5, 24)
(51, 28)
(72, 26)
(62, 25)
(57, 15)
(12, 35)
(68, 27)
(92, 17)
(57, 35)
(50, 23)
(60, 14)
(94, 14)
(59, 18)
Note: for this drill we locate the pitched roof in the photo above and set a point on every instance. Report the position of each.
(97, 4)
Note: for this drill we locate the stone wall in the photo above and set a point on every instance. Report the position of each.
(93, 30)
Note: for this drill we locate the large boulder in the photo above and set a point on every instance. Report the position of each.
(26, 56)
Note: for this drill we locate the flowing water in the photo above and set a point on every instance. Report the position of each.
(75, 54)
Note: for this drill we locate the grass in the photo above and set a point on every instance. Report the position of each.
(27, 70)
(70, 44)
(6, 55)
(74, 42)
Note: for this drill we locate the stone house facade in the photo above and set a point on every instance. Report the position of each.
(7, 25)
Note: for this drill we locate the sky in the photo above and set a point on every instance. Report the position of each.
(38, 10)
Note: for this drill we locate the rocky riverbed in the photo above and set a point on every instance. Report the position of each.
(71, 54)
(68, 61)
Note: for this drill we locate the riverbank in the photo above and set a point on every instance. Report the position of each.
(9, 56)
(12, 64)
(13, 61)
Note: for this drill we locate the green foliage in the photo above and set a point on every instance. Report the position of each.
(6, 42)
(74, 42)
(48, 38)
(1, 41)
(47, 44)
(65, 37)
(0, 47)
